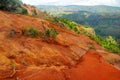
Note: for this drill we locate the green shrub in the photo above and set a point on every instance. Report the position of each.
(12, 6)
(50, 33)
(53, 33)
(111, 45)
(24, 11)
(34, 32)
(31, 32)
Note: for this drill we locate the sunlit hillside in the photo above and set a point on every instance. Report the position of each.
(35, 45)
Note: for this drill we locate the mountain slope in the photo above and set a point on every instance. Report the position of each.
(100, 9)
(104, 19)
(68, 55)
(103, 24)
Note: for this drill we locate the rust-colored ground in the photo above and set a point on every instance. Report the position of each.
(68, 57)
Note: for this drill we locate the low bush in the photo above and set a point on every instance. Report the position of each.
(111, 45)
(50, 33)
(31, 32)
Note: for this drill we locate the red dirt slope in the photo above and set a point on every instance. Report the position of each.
(66, 58)
(90, 67)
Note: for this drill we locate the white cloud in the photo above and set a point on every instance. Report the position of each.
(78, 2)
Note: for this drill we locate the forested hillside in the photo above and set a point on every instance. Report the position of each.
(104, 19)
(104, 25)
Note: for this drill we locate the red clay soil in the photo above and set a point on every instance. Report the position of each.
(93, 67)
(90, 67)
(111, 58)
(68, 57)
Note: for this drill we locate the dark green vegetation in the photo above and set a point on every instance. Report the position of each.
(104, 19)
(104, 25)
(12, 6)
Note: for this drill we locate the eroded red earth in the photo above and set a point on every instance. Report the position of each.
(68, 57)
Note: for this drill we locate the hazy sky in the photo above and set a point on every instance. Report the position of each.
(71, 2)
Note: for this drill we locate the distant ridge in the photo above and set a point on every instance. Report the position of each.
(105, 19)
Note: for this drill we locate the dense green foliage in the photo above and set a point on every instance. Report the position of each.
(13, 6)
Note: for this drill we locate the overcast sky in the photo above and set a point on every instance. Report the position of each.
(73, 2)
